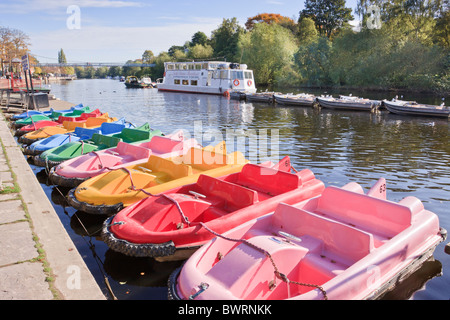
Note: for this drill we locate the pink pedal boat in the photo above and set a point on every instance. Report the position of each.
(168, 226)
(73, 172)
(343, 245)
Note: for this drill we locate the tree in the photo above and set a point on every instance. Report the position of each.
(199, 38)
(313, 61)
(147, 56)
(174, 49)
(61, 57)
(268, 18)
(132, 71)
(269, 50)
(329, 15)
(101, 72)
(115, 71)
(158, 70)
(13, 43)
(307, 31)
(225, 40)
(201, 52)
(442, 32)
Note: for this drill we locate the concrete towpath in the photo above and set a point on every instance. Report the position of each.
(38, 260)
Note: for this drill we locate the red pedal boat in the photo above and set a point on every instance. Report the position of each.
(170, 224)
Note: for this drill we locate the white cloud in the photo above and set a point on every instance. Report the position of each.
(275, 2)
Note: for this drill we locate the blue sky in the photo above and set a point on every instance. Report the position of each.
(119, 30)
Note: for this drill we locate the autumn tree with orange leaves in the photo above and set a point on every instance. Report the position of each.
(269, 18)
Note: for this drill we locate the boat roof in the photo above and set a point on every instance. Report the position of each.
(211, 65)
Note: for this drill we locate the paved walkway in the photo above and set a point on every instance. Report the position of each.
(38, 260)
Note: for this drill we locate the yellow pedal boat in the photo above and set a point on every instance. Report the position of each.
(110, 192)
(66, 127)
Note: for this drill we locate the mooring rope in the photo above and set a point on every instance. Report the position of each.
(278, 274)
(132, 183)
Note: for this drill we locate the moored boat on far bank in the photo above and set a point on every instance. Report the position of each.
(413, 108)
(344, 103)
(301, 99)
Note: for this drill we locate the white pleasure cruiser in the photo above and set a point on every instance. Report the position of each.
(211, 77)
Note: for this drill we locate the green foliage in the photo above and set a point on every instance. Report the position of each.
(225, 38)
(269, 50)
(442, 31)
(199, 38)
(330, 16)
(61, 57)
(147, 56)
(201, 52)
(307, 31)
(313, 61)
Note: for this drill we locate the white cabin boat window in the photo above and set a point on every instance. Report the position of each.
(170, 67)
(176, 81)
(194, 82)
(198, 66)
(248, 75)
(224, 74)
(237, 75)
(185, 82)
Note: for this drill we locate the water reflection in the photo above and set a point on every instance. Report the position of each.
(413, 154)
(405, 288)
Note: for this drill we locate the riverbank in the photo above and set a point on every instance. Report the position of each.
(39, 261)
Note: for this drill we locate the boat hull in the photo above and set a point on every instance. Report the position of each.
(295, 101)
(260, 97)
(347, 105)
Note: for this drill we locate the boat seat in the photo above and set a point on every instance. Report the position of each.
(168, 167)
(110, 128)
(245, 262)
(85, 133)
(268, 180)
(133, 135)
(105, 141)
(73, 113)
(377, 216)
(341, 242)
(201, 159)
(96, 121)
(92, 114)
(235, 196)
(162, 145)
(133, 151)
(72, 125)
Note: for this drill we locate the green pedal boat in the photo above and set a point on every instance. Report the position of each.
(98, 142)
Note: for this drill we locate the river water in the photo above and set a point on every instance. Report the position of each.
(412, 153)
